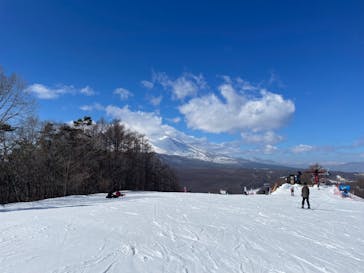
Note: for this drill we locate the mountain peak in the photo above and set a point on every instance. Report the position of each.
(177, 147)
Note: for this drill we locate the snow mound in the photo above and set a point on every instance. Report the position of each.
(285, 189)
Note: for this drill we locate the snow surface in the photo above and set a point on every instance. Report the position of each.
(184, 232)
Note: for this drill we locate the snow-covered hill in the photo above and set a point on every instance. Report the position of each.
(184, 232)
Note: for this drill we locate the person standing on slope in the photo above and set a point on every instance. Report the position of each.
(305, 195)
(298, 177)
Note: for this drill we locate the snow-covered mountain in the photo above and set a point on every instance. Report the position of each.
(177, 147)
(185, 147)
(177, 151)
(184, 232)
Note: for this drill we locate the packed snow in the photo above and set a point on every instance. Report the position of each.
(184, 232)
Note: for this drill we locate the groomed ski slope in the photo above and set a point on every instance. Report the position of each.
(184, 232)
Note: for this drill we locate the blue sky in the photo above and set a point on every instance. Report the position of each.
(278, 80)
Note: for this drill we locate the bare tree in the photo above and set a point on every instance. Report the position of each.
(15, 103)
(15, 106)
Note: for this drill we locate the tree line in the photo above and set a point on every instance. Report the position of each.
(43, 159)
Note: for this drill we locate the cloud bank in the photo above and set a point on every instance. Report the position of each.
(236, 106)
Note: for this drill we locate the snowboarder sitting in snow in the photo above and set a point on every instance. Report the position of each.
(305, 194)
(110, 195)
(114, 195)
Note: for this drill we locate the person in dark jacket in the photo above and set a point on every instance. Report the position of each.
(117, 194)
(113, 195)
(298, 177)
(110, 195)
(305, 195)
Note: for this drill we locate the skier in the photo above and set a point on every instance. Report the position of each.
(292, 191)
(305, 195)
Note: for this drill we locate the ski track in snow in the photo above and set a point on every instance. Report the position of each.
(184, 232)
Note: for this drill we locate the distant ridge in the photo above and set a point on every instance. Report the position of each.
(177, 161)
(347, 167)
(179, 152)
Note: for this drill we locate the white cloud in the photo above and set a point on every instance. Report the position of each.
(269, 149)
(147, 123)
(88, 91)
(156, 100)
(42, 91)
(237, 111)
(87, 108)
(302, 148)
(184, 86)
(147, 84)
(123, 93)
(242, 84)
(268, 137)
(92, 107)
(176, 120)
